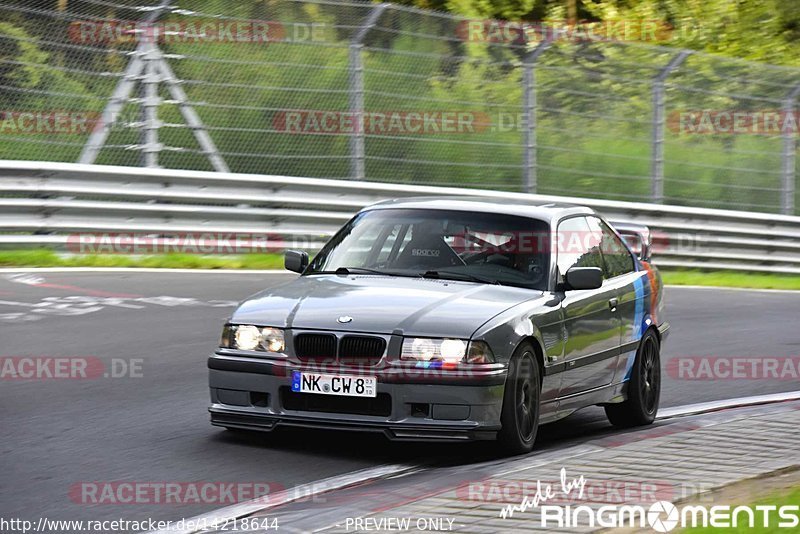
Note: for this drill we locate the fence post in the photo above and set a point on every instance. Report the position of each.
(788, 163)
(137, 67)
(529, 150)
(356, 80)
(150, 102)
(657, 148)
(190, 116)
(111, 113)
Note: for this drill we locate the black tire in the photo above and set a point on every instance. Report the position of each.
(644, 387)
(520, 415)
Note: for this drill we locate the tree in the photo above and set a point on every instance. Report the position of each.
(767, 30)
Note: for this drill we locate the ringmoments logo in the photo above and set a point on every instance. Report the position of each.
(664, 516)
(660, 516)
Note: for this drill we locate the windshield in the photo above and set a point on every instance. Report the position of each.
(478, 247)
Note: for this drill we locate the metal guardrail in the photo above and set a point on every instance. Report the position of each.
(45, 203)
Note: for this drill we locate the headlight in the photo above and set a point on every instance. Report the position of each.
(426, 350)
(272, 339)
(249, 337)
(446, 350)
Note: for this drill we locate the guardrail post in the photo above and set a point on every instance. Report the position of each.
(356, 77)
(788, 163)
(529, 150)
(659, 118)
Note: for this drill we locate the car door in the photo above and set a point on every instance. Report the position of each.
(628, 287)
(591, 318)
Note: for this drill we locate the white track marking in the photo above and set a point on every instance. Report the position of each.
(304, 491)
(714, 406)
(30, 279)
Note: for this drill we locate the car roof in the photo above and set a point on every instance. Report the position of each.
(546, 211)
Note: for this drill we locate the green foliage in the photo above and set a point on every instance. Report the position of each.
(594, 101)
(730, 279)
(767, 30)
(18, 59)
(49, 258)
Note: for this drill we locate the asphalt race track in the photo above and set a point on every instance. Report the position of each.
(151, 423)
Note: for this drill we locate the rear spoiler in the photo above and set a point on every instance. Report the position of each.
(637, 237)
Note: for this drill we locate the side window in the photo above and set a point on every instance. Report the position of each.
(577, 245)
(616, 255)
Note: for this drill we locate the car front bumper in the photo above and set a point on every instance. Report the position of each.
(421, 405)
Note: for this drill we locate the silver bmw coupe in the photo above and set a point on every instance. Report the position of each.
(450, 319)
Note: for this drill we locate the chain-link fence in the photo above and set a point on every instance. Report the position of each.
(359, 90)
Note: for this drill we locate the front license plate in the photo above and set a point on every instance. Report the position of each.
(348, 386)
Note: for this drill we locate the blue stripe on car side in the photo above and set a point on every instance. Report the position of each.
(638, 321)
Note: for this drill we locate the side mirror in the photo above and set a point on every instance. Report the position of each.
(584, 278)
(295, 260)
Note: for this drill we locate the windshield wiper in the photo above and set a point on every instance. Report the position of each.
(344, 271)
(358, 270)
(455, 275)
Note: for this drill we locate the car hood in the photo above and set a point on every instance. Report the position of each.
(381, 304)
